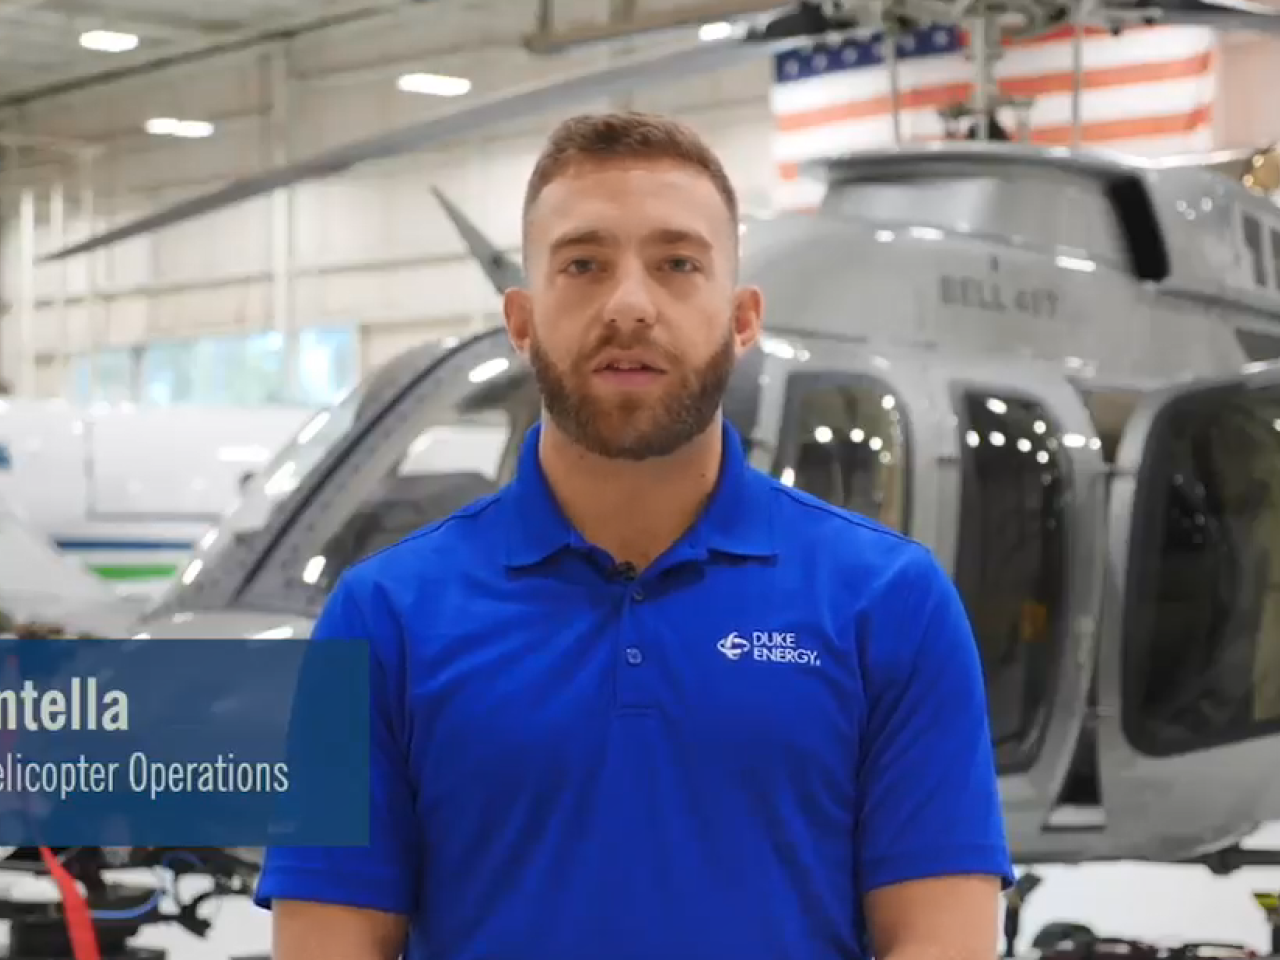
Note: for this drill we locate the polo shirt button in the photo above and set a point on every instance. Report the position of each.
(634, 656)
(637, 594)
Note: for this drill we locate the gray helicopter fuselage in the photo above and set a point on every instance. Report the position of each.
(1128, 272)
(1002, 397)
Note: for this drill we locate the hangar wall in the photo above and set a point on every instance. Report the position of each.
(370, 247)
(1248, 71)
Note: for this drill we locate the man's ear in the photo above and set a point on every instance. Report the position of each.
(517, 308)
(748, 317)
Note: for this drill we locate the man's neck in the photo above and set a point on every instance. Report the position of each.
(633, 510)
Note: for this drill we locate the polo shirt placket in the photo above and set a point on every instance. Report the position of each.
(635, 681)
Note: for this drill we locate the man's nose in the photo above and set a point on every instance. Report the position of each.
(631, 300)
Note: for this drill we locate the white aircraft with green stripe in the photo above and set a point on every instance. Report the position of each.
(130, 490)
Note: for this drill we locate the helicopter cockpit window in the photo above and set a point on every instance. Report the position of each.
(1042, 208)
(1012, 556)
(1202, 630)
(844, 440)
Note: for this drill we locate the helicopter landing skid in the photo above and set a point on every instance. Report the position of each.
(1220, 863)
(1230, 859)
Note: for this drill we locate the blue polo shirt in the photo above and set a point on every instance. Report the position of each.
(717, 758)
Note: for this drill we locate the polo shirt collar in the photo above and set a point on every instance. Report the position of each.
(737, 520)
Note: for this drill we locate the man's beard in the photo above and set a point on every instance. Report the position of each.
(633, 427)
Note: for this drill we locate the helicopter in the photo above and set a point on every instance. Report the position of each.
(1057, 368)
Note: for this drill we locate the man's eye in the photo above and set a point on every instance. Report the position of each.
(579, 266)
(681, 265)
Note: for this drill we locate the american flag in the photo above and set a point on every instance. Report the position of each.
(1148, 91)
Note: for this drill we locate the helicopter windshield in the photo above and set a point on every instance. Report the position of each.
(842, 439)
(451, 435)
(451, 439)
(263, 492)
(213, 574)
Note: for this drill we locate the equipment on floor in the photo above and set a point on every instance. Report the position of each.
(1015, 898)
(94, 918)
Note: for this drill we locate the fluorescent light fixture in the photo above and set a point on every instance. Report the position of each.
(720, 30)
(108, 41)
(185, 129)
(434, 84)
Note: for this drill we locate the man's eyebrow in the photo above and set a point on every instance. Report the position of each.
(675, 236)
(579, 238)
(665, 236)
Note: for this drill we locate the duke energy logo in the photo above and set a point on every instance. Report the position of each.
(769, 646)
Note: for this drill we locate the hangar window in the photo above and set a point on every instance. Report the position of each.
(844, 440)
(1011, 558)
(1202, 605)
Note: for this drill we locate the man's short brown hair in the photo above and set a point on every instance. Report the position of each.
(625, 136)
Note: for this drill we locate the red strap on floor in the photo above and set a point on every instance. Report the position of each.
(84, 939)
(80, 932)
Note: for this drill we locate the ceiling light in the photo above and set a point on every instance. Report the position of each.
(186, 129)
(434, 84)
(720, 30)
(108, 41)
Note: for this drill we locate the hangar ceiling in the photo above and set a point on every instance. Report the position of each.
(46, 45)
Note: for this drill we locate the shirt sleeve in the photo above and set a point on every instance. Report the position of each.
(930, 802)
(384, 874)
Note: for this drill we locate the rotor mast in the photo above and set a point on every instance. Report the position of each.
(987, 24)
(984, 50)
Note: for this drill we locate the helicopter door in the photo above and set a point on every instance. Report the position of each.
(1189, 675)
(854, 431)
(1025, 496)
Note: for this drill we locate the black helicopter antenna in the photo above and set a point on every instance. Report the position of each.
(502, 272)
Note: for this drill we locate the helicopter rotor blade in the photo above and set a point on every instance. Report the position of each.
(807, 19)
(1222, 14)
(502, 107)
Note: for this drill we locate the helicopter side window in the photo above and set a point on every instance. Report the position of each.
(844, 440)
(1202, 630)
(1275, 258)
(1012, 556)
(1044, 208)
(1253, 244)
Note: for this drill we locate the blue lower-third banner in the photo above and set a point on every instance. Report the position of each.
(184, 743)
